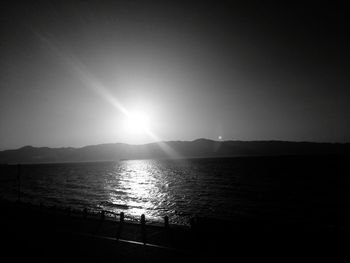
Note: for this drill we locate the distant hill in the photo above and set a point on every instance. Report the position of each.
(172, 149)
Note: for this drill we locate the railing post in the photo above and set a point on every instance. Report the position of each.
(143, 228)
(54, 210)
(19, 182)
(85, 213)
(193, 223)
(41, 209)
(166, 222)
(121, 222)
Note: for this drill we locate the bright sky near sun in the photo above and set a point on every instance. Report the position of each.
(81, 73)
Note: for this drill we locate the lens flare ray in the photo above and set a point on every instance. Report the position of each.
(78, 69)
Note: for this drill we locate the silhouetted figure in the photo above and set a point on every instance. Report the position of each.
(102, 215)
(143, 220)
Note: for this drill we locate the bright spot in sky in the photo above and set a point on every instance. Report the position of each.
(220, 137)
(137, 122)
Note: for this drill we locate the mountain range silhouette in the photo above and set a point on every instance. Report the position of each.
(200, 148)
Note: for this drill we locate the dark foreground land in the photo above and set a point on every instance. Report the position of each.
(45, 234)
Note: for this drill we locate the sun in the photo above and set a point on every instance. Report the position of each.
(137, 122)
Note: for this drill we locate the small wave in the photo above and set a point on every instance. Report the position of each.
(110, 204)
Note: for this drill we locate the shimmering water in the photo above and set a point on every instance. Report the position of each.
(221, 188)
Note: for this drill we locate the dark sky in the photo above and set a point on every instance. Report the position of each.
(70, 71)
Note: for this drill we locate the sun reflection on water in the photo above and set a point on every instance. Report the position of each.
(138, 188)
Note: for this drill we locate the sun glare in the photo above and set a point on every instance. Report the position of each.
(137, 122)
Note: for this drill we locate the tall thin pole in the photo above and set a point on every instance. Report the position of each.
(19, 181)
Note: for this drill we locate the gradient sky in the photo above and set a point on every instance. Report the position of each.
(201, 69)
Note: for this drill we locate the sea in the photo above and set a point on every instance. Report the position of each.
(288, 188)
